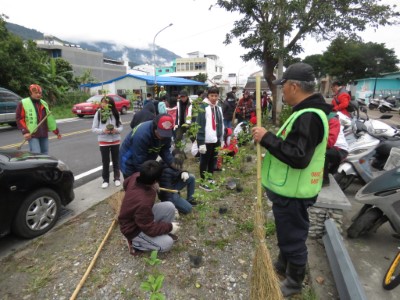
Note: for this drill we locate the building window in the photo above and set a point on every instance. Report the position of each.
(191, 67)
(167, 71)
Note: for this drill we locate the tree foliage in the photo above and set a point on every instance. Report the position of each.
(273, 29)
(348, 60)
(22, 63)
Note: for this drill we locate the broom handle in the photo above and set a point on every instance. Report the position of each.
(258, 114)
(34, 129)
(168, 190)
(85, 276)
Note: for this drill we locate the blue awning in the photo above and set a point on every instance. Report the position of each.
(150, 80)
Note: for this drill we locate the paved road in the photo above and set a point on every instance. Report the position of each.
(78, 148)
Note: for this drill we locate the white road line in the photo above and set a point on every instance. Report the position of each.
(87, 173)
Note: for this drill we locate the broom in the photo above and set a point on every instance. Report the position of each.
(264, 281)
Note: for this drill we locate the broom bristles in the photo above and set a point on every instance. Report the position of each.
(264, 281)
(115, 201)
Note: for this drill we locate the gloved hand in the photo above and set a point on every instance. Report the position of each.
(202, 149)
(222, 144)
(175, 227)
(184, 176)
(177, 216)
(175, 127)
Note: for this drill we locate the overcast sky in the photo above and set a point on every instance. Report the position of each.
(135, 23)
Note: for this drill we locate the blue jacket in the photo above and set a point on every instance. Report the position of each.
(140, 145)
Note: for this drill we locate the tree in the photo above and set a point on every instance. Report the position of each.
(273, 29)
(201, 77)
(19, 61)
(348, 59)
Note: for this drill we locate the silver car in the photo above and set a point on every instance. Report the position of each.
(8, 105)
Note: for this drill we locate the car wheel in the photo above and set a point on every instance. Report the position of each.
(80, 116)
(124, 110)
(38, 213)
(364, 223)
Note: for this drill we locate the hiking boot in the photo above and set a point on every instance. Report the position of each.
(205, 187)
(294, 279)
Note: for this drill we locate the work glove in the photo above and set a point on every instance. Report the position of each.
(175, 227)
(202, 149)
(175, 127)
(184, 176)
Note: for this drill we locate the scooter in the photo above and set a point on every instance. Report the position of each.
(381, 199)
(363, 158)
(389, 104)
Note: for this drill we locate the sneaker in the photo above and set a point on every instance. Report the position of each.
(205, 187)
(193, 202)
(117, 182)
(104, 185)
(133, 251)
(212, 181)
(173, 236)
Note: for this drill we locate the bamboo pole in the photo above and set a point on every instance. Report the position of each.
(34, 130)
(264, 281)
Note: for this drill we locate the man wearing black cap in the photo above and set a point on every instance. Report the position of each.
(183, 115)
(147, 141)
(293, 169)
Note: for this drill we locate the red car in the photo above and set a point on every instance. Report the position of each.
(91, 105)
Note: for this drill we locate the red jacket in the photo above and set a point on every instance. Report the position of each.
(341, 101)
(136, 214)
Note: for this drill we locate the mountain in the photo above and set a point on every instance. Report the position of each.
(135, 56)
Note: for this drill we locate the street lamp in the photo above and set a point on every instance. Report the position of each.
(378, 61)
(238, 77)
(154, 57)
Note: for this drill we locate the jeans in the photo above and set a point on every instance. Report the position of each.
(39, 145)
(105, 158)
(228, 123)
(163, 212)
(182, 205)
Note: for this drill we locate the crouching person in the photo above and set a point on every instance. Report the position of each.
(177, 180)
(147, 226)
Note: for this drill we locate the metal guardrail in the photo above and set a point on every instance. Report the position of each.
(344, 273)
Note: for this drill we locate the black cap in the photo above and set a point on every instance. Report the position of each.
(183, 93)
(297, 71)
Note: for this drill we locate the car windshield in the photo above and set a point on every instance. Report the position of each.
(94, 99)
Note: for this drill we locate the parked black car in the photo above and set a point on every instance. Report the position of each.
(8, 105)
(33, 187)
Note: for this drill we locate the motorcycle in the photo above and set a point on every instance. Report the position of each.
(391, 103)
(381, 201)
(363, 161)
(373, 103)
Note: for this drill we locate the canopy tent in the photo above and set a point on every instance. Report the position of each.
(150, 80)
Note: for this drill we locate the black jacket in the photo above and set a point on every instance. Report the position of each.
(147, 113)
(228, 108)
(307, 132)
(168, 179)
